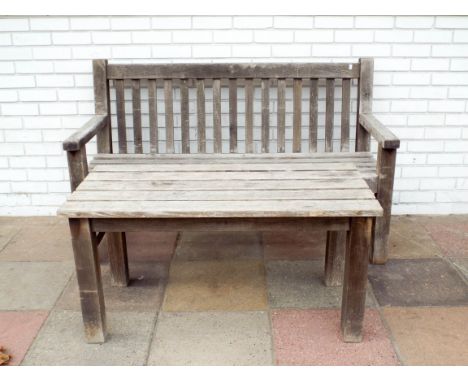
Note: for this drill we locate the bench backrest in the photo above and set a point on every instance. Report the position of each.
(220, 108)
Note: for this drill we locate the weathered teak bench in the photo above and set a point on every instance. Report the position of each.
(196, 185)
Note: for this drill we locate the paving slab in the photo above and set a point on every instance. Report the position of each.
(32, 285)
(219, 246)
(17, 332)
(423, 282)
(430, 336)
(144, 293)
(294, 245)
(39, 242)
(7, 232)
(216, 285)
(146, 246)
(312, 337)
(451, 234)
(212, 338)
(409, 239)
(299, 284)
(61, 340)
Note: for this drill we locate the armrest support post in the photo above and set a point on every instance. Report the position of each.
(77, 166)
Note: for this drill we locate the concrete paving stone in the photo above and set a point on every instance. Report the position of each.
(216, 285)
(7, 232)
(17, 332)
(423, 282)
(410, 240)
(299, 284)
(61, 340)
(144, 293)
(146, 246)
(39, 242)
(312, 337)
(212, 338)
(219, 246)
(450, 233)
(32, 285)
(430, 336)
(462, 266)
(294, 245)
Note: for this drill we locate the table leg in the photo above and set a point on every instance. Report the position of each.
(88, 273)
(355, 279)
(117, 249)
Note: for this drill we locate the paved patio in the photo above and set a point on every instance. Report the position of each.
(236, 299)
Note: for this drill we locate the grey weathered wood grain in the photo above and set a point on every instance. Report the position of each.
(77, 167)
(153, 116)
(313, 115)
(250, 70)
(118, 261)
(121, 122)
(169, 108)
(355, 279)
(329, 114)
(220, 224)
(102, 104)
(217, 144)
(385, 177)
(184, 115)
(377, 130)
(365, 96)
(201, 118)
(249, 147)
(281, 117)
(335, 258)
(83, 135)
(232, 115)
(345, 113)
(136, 102)
(297, 115)
(265, 115)
(88, 274)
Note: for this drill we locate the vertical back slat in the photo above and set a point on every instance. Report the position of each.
(217, 144)
(297, 114)
(345, 109)
(168, 103)
(184, 114)
(249, 148)
(313, 115)
(281, 117)
(265, 115)
(136, 101)
(153, 115)
(201, 120)
(329, 114)
(232, 115)
(121, 123)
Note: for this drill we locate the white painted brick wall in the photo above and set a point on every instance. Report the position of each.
(421, 88)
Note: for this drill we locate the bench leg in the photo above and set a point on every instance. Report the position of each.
(386, 159)
(355, 279)
(335, 258)
(117, 248)
(88, 273)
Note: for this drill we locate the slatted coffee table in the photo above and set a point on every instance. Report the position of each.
(213, 192)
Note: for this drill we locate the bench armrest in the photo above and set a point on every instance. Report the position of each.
(379, 132)
(85, 133)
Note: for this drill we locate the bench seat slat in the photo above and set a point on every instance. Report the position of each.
(214, 208)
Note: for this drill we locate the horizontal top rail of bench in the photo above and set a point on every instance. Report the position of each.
(250, 70)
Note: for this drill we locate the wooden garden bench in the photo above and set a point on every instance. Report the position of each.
(220, 174)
